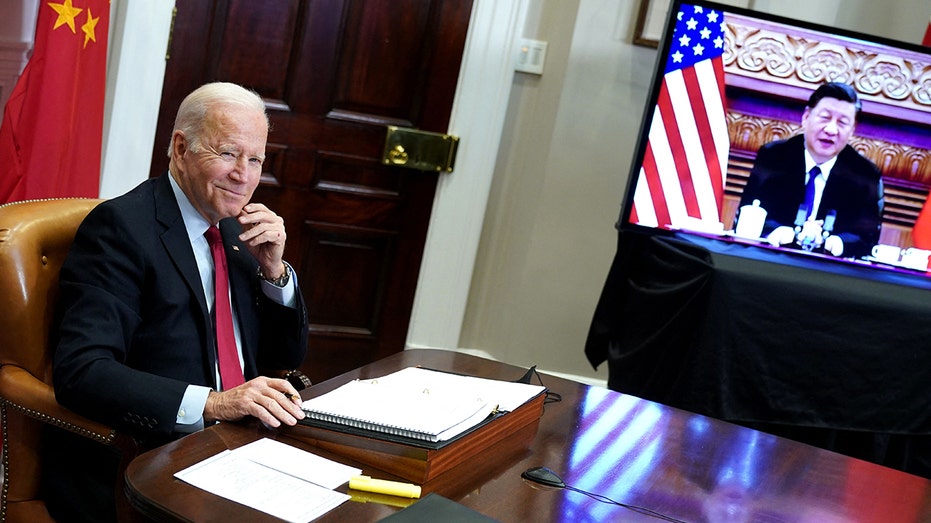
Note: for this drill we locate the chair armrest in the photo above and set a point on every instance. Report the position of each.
(35, 398)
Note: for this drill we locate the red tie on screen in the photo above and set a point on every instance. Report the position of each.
(227, 355)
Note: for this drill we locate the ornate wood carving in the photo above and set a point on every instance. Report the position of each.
(886, 79)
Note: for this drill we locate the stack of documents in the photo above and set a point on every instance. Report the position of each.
(419, 403)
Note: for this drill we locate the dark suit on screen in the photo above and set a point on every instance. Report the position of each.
(135, 329)
(853, 191)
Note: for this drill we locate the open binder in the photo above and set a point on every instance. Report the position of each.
(461, 417)
(416, 406)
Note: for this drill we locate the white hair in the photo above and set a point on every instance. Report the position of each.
(193, 109)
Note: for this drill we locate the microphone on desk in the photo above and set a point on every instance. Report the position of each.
(546, 476)
(829, 219)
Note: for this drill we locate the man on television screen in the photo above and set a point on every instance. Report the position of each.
(819, 193)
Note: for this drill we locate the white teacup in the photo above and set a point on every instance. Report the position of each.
(750, 221)
(915, 258)
(887, 253)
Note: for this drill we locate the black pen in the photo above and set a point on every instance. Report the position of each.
(289, 395)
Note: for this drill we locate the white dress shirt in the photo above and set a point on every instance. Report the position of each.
(820, 181)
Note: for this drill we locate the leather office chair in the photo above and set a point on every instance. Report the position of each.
(34, 238)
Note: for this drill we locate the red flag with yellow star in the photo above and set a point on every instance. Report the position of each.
(52, 130)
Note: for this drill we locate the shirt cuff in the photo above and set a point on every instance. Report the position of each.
(191, 411)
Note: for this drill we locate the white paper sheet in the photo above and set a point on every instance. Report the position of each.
(298, 463)
(251, 475)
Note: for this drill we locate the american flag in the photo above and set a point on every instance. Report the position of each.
(684, 165)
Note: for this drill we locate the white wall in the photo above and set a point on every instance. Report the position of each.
(135, 70)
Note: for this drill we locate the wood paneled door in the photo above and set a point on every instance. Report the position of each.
(334, 74)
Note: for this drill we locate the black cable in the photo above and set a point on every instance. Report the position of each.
(636, 508)
(545, 476)
(551, 397)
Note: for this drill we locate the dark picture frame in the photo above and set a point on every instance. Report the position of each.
(651, 19)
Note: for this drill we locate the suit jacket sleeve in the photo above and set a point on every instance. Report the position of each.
(102, 285)
(777, 180)
(854, 192)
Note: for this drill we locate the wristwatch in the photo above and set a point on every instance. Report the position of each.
(280, 281)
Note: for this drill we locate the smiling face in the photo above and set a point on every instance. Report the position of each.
(220, 169)
(828, 127)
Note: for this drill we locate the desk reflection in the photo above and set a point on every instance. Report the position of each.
(686, 465)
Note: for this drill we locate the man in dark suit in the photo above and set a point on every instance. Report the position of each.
(839, 206)
(137, 345)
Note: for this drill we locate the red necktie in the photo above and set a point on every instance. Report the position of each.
(227, 354)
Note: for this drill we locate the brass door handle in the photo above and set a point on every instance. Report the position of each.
(421, 150)
(397, 155)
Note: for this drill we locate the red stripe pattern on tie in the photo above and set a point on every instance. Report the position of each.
(227, 354)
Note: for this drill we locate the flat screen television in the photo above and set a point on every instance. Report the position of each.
(721, 152)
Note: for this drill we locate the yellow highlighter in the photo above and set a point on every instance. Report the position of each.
(381, 486)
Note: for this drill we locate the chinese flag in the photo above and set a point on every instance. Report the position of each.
(921, 233)
(52, 129)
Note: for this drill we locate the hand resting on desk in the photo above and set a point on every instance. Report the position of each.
(785, 235)
(273, 401)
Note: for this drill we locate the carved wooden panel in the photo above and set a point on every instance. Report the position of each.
(265, 65)
(893, 79)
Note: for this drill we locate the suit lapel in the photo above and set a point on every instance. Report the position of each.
(178, 246)
(175, 239)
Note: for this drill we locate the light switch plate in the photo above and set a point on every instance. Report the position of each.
(530, 56)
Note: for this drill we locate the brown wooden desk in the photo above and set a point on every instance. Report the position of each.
(684, 465)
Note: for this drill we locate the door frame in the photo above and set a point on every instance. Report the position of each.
(479, 109)
(485, 80)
